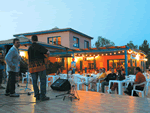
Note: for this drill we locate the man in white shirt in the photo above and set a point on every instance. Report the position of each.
(94, 80)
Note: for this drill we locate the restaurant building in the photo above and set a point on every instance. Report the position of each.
(68, 45)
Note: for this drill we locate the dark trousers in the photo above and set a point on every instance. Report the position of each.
(1, 76)
(42, 75)
(85, 69)
(11, 82)
(134, 93)
(105, 84)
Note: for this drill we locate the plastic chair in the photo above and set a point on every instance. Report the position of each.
(77, 81)
(99, 84)
(47, 82)
(144, 83)
(24, 76)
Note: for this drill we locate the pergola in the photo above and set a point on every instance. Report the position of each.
(101, 51)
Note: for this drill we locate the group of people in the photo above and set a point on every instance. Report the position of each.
(104, 78)
(37, 67)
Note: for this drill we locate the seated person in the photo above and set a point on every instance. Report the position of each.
(95, 79)
(111, 76)
(101, 75)
(115, 85)
(58, 71)
(109, 71)
(140, 78)
(70, 72)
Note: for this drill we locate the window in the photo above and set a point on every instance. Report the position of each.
(115, 64)
(76, 42)
(86, 44)
(54, 40)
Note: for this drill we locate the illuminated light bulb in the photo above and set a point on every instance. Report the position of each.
(110, 53)
(86, 55)
(106, 54)
(119, 52)
(98, 54)
(114, 52)
(123, 51)
(102, 54)
(94, 55)
(90, 55)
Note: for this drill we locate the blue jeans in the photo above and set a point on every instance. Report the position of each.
(42, 75)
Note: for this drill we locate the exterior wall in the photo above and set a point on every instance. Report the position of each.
(64, 37)
(81, 40)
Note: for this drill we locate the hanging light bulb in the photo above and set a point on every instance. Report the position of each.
(110, 53)
(114, 52)
(106, 54)
(102, 54)
(119, 52)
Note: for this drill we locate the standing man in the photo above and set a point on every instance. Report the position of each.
(37, 67)
(85, 63)
(73, 65)
(12, 62)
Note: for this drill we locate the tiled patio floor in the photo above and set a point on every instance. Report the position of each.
(90, 102)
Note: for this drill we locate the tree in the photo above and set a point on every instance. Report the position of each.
(101, 42)
(131, 45)
(145, 47)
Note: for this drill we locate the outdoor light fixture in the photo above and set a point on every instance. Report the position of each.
(102, 54)
(130, 51)
(146, 59)
(123, 51)
(114, 52)
(119, 52)
(137, 56)
(106, 54)
(110, 53)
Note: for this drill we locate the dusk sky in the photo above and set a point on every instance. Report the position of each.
(117, 20)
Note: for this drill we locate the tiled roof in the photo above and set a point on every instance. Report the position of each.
(53, 31)
(26, 41)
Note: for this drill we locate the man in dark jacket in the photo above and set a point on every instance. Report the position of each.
(37, 67)
(111, 76)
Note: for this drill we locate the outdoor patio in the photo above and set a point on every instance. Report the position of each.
(91, 102)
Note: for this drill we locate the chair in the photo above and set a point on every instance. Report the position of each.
(24, 76)
(99, 84)
(47, 82)
(144, 83)
(77, 81)
(63, 76)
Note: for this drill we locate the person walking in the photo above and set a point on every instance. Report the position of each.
(37, 68)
